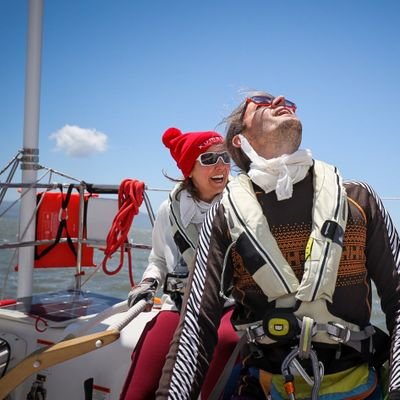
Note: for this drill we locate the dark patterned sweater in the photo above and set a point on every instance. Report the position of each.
(370, 252)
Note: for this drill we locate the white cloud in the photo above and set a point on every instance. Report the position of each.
(79, 142)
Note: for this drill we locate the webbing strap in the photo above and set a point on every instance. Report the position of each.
(305, 337)
(337, 332)
(346, 336)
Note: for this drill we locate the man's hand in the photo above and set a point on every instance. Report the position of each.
(144, 290)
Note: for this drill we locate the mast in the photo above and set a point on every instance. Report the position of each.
(30, 153)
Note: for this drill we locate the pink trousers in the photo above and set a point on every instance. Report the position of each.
(149, 356)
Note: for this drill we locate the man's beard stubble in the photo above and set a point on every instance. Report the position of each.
(291, 131)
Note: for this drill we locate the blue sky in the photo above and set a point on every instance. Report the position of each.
(118, 73)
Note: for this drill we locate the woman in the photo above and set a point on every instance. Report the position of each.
(205, 165)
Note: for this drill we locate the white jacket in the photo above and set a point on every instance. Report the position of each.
(165, 254)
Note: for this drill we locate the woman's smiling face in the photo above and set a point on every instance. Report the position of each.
(210, 180)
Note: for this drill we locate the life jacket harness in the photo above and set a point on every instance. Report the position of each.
(311, 321)
(185, 238)
(263, 259)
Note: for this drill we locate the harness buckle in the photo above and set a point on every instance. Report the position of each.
(254, 333)
(281, 325)
(333, 231)
(339, 333)
(175, 282)
(307, 331)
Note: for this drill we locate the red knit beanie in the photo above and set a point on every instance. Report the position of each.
(186, 147)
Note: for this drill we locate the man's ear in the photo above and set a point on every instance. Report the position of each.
(236, 141)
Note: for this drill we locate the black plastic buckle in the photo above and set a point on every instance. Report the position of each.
(175, 282)
(281, 325)
(332, 230)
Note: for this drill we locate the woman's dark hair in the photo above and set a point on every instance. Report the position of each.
(186, 183)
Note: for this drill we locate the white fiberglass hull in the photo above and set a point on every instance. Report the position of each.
(108, 366)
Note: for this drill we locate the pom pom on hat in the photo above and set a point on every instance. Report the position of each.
(186, 147)
(169, 135)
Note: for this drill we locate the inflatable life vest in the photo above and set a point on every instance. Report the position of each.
(312, 321)
(58, 217)
(250, 231)
(185, 238)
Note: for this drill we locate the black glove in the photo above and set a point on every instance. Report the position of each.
(145, 290)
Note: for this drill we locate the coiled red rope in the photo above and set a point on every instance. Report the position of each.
(130, 198)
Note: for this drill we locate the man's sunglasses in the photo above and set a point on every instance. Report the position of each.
(265, 101)
(211, 158)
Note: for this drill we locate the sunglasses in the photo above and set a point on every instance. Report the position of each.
(211, 158)
(265, 101)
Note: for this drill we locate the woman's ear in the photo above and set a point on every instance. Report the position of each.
(236, 141)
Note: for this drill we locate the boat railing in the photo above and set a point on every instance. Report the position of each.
(82, 188)
(85, 190)
(89, 242)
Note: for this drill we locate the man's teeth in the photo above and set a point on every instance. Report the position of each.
(217, 177)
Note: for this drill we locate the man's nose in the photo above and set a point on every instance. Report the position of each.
(278, 101)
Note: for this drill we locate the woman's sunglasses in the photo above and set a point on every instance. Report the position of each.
(211, 158)
(265, 101)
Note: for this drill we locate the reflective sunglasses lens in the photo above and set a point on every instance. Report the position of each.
(262, 99)
(267, 100)
(290, 104)
(212, 158)
(207, 158)
(225, 157)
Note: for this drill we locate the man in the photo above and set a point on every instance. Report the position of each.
(297, 250)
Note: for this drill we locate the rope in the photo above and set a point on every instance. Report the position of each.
(117, 308)
(130, 198)
(132, 313)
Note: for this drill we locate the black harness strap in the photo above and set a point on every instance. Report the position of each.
(61, 227)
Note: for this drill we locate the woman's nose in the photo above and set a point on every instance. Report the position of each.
(221, 164)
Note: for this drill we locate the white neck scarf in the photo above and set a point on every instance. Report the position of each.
(279, 174)
(193, 211)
